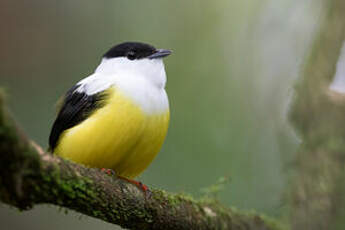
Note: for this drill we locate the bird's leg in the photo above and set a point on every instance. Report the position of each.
(140, 185)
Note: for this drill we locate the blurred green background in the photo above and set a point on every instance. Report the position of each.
(229, 83)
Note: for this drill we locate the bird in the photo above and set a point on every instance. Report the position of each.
(117, 118)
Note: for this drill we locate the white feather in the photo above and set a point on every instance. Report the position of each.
(143, 81)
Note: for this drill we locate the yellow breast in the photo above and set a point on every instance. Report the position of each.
(118, 136)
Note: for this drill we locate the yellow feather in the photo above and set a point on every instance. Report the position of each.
(118, 136)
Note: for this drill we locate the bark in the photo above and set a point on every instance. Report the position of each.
(318, 114)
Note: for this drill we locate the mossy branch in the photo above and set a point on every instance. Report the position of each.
(319, 116)
(30, 176)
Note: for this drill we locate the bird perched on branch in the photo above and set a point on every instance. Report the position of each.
(116, 118)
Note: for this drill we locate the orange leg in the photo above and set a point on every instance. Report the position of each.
(140, 185)
(143, 187)
(108, 171)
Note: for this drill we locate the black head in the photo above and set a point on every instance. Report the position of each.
(135, 50)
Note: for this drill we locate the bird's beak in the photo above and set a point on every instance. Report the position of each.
(160, 53)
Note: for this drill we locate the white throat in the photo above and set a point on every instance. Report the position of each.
(151, 70)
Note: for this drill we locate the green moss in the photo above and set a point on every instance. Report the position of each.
(79, 188)
(98, 213)
(212, 191)
(142, 214)
(173, 199)
(273, 224)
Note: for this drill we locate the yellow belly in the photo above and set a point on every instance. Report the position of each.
(118, 136)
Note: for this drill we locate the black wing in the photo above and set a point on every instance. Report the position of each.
(76, 107)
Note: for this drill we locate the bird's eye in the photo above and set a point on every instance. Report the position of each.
(131, 55)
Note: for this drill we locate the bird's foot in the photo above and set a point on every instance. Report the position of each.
(140, 185)
(110, 172)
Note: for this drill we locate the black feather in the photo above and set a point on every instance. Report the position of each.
(77, 106)
(131, 50)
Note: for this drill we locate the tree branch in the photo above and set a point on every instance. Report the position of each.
(29, 176)
(319, 116)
